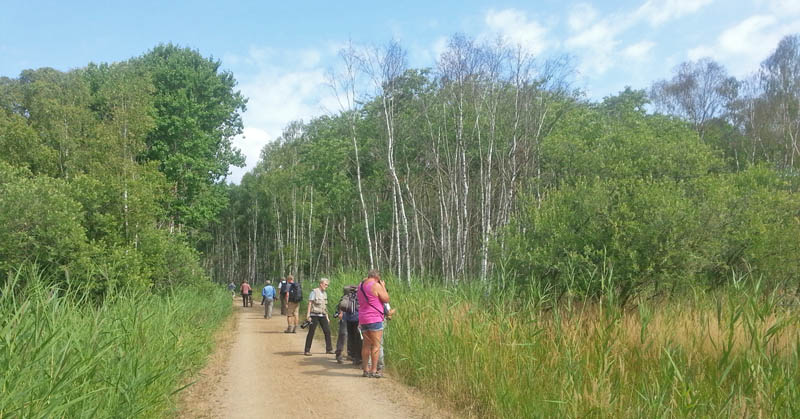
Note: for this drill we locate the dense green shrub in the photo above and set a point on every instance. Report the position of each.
(631, 235)
(38, 221)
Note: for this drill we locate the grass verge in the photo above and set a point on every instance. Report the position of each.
(730, 353)
(62, 356)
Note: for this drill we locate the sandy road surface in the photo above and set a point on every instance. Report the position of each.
(258, 371)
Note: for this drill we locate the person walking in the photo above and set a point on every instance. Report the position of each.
(318, 315)
(371, 297)
(267, 298)
(294, 294)
(232, 289)
(246, 291)
(283, 290)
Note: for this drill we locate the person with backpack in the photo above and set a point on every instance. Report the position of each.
(246, 291)
(283, 290)
(294, 294)
(372, 295)
(267, 298)
(317, 313)
(348, 326)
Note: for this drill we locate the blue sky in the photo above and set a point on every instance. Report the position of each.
(280, 52)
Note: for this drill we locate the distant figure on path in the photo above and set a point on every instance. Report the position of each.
(267, 298)
(231, 288)
(294, 294)
(246, 291)
(371, 297)
(318, 314)
(283, 288)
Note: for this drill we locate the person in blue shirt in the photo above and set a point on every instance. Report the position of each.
(267, 298)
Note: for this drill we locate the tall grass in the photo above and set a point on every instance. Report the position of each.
(62, 356)
(732, 353)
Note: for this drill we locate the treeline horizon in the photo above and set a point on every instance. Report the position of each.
(109, 172)
(491, 167)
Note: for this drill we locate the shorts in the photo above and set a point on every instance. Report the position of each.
(371, 327)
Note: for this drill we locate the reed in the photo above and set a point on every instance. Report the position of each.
(730, 353)
(64, 355)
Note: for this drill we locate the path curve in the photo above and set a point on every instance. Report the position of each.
(257, 371)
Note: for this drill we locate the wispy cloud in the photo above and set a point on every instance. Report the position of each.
(581, 16)
(278, 94)
(658, 12)
(596, 46)
(516, 27)
(783, 7)
(743, 46)
(639, 50)
(595, 38)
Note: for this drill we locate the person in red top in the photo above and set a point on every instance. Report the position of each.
(245, 292)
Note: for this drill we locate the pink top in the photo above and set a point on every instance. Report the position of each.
(370, 308)
(245, 288)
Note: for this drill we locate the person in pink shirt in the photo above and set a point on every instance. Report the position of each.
(245, 292)
(372, 295)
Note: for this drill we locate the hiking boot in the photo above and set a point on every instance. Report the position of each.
(329, 352)
(339, 360)
(366, 374)
(307, 353)
(294, 329)
(378, 374)
(288, 330)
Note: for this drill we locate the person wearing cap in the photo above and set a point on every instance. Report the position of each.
(317, 313)
(267, 298)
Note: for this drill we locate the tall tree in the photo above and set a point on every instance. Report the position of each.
(699, 92)
(780, 74)
(197, 114)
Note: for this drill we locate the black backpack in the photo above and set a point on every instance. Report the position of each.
(349, 301)
(295, 293)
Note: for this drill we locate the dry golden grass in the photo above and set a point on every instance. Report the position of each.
(728, 355)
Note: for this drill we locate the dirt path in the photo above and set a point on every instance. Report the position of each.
(258, 371)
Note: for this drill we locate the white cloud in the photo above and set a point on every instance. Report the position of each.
(439, 47)
(596, 46)
(581, 16)
(784, 7)
(742, 47)
(250, 143)
(699, 52)
(657, 12)
(748, 36)
(515, 26)
(423, 55)
(638, 51)
(278, 93)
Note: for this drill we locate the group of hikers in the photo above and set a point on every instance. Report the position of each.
(362, 312)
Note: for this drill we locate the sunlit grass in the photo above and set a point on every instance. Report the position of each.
(64, 356)
(732, 353)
